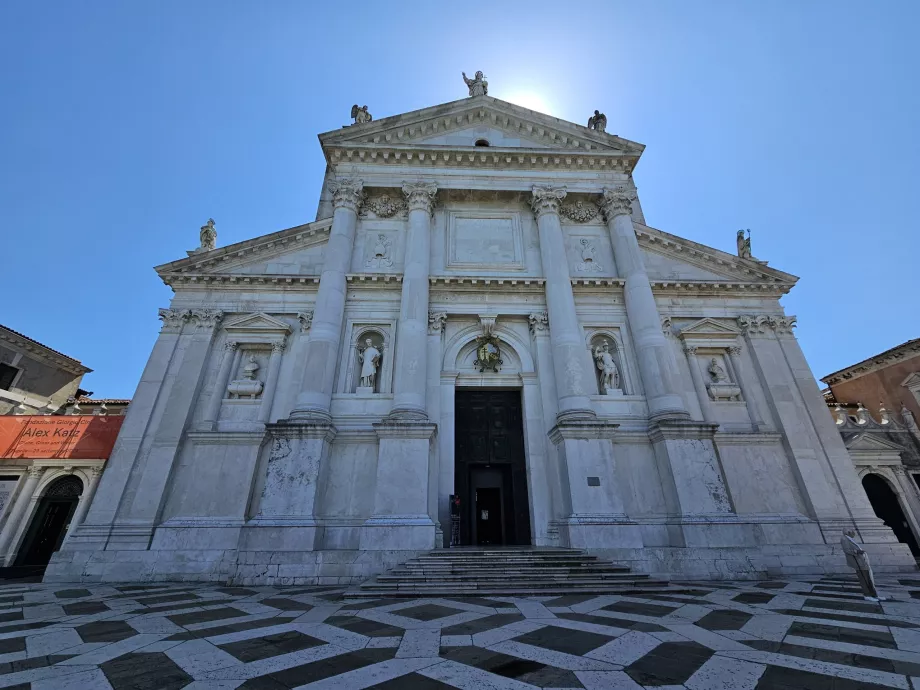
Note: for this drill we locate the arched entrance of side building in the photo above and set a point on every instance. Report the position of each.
(49, 524)
(888, 508)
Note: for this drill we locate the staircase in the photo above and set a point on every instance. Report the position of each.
(503, 572)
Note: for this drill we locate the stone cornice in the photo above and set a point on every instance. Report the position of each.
(241, 280)
(38, 351)
(906, 350)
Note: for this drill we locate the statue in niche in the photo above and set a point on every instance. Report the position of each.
(477, 86)
(717, 372)
(598, 121)
(369, 358)
(744, 244)
(247, 386)
(588, 263)
(360, 115)
(610, 375)
(381, 257)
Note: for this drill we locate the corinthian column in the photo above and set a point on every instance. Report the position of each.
(329, 311)
(573, 382)
(410, 382)
(655, 362)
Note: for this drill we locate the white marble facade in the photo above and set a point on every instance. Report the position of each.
(259, 447)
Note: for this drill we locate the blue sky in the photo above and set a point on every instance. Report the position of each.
(124, 126)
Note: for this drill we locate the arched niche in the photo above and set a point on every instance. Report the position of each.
(460, 351)
(886, 503)
(596, 343)
(379, 340)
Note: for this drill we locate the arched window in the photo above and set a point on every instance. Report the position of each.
(482, 142)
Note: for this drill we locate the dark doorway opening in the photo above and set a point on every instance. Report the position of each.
(490, 474)
(49, 526)
(886, 506)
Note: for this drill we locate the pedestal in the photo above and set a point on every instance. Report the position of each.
(401, 518)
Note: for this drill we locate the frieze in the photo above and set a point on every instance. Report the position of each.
(384, 206)
(580, 211)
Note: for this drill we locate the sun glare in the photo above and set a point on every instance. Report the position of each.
(529, 99)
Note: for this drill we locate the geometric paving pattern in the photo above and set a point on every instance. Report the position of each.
(792, 634)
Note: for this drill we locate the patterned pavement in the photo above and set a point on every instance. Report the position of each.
(809, 634)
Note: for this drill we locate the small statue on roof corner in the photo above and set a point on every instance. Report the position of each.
(360, 114)
(598, 121)
(208, 237)
(744, 244)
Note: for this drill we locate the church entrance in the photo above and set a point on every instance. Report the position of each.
(885, 503)
(490, 476)
(49, 526)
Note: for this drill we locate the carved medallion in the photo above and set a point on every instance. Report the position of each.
(488, 354)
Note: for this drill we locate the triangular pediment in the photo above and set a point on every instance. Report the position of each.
(294, 251)
(456, 125)
(867, 441)
(709, 328)
(912, 381)
(257, 322)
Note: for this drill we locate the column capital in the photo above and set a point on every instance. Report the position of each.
(231, 345)
(347, 193)
(173, 319)
(617, 201)
(306, 320)
(95, 472)
(206, 318)
(690, 349)
(546, 199)
(734, 350)
(36, 471)
(436, 321)
(278, 347)
(420, 195)
(538, 321)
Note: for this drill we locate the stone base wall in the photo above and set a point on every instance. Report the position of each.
(337, 567)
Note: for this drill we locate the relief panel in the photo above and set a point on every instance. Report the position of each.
(489, 240)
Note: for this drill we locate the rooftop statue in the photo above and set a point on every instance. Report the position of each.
(744, 245)
(478, 86)
(360, 114)
(208, 236)
(598, 121)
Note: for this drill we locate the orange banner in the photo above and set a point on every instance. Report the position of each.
(77, 437)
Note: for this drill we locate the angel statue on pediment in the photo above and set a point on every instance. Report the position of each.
(598, 121)
(360, 114)
(477, 86)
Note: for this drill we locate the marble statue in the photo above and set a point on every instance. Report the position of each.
(248, 385)
(598, 121)
(858, 559)
(717, 372)
(360, 114)
(610, 376)
(588, 262)
(381, 257)
(208, 236)
(478, 86)
(744, 244)
(369, 357)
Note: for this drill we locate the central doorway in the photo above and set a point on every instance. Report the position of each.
(490, 475)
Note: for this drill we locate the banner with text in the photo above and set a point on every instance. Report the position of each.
(77, 437)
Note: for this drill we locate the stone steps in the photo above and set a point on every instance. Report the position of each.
(504, 572)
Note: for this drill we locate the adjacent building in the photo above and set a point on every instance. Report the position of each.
(875, 404)
(480, 316)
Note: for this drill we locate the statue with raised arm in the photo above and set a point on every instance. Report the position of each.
(744, 244)
(477, 86)
(598, 121)
(360, 114)
(610, 376)
(369, 357)
(858, 559)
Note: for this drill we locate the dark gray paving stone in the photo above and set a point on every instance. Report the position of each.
(724, 619)
(318, 670)
(567, 600)
(413, 681)
(780, 678)
(10, 616)
(640, 609)
(853, 606)
(271, 645)
(836, 633)
(72, 593)
(33, 663)
(753, 598)
(139, 671)
(670, 663)
(481, 601)
(577, 642)
(772, 585)
(613, 622)
(362, 626)
(362, 605)
(482, 624)
(426, 612)
(890, 622)
(184, 619)
(27, 627)
(179, 605)
(14, 599)
(105, 631)
(12, 644)
(167, 598)
(85, 608)
(834, 657)
(284, 604)
(236, 591)
(232, 628)
(532, 672)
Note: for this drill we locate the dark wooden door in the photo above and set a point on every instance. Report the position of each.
(489, 517)
(47, 531)
(489, 435)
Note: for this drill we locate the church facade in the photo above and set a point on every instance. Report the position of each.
(479, 322)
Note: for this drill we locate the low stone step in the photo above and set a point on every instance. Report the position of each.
(558, 590)
(612, 577)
